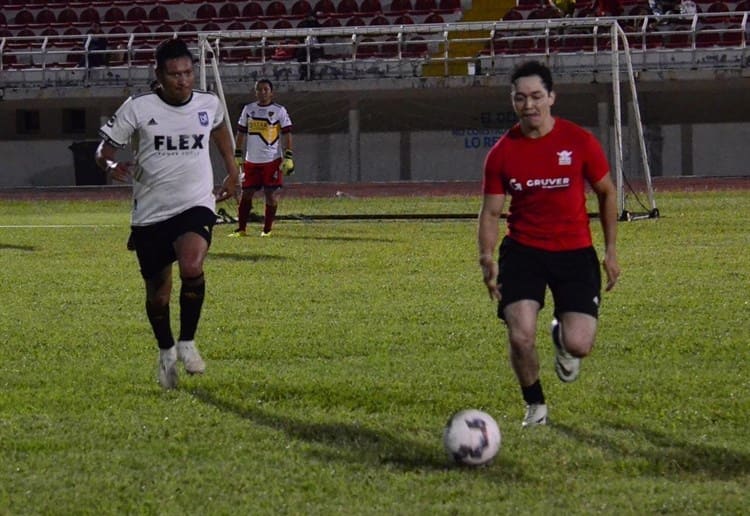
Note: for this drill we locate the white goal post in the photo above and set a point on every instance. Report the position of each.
(630, 186)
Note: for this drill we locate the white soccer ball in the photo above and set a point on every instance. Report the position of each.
(472, 437)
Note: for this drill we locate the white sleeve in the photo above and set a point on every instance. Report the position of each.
(218, 113)
(242, 122)
(121, 126)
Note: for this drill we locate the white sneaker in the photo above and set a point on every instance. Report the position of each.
(536, 414)
(168, 368)
(567, 366)
(188, 354)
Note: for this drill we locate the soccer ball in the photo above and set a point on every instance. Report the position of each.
(471, 437)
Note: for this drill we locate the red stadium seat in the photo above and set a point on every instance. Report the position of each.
(331, 22)
(355, 21)
(425, 5)
(252, 10)
(136, 13)
(513, 15)
(283, 24)
(114, 14)
(236, 25)
(325, 6)
(366, 48)
(72, 31)
(24, 17)
(732, 36)
(706, 37)
(403, 19)
(450, 5)
(276, 8)
(434, 18)
(158, 13)
(164, 27)
(401, 5)
(45, 16)
(205, 12)
(89, 15)
(188, 27)
(229, 10)
(301, 8)
(416, 47)
(742, 6)
(379, 20)
(211, 27)
(347, 7)
(370, 7)
(258, 25)
(67, 15)
(717, 7)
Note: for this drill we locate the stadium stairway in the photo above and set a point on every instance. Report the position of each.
(481, 10)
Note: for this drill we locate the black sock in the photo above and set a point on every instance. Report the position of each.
(158, 316)
(192, 292)
(533, 394)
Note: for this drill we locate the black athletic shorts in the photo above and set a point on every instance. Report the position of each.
(154, 244)
(573, 277)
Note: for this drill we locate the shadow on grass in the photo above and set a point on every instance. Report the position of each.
(662, 454)
(240, 257)
(29, 248)
(356, 443)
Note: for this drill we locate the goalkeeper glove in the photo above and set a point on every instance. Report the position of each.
(287, 165)
(239, 159)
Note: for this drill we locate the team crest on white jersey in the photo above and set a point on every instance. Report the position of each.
(203, 118)
(565, 157)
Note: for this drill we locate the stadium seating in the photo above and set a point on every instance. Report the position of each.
(252, 10)
(32, 17)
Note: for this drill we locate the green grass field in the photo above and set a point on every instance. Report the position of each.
(336, 352)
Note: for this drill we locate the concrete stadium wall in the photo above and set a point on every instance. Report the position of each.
(692, 128)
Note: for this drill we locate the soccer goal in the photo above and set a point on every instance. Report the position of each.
(634, 184)
(635, 195)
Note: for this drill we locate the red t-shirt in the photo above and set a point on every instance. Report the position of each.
(546, 179)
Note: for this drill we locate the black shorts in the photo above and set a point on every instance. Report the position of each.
(573, 277)
(154, 244)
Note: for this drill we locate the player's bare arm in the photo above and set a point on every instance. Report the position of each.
(105, 159)
(606, 194)
(487, 236)
(222, 139)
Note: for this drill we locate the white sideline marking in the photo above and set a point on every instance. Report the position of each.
(58, 226)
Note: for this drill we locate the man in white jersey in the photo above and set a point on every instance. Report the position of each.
(173, 202)
(261, 126)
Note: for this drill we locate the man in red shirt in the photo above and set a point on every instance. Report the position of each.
(543, 163)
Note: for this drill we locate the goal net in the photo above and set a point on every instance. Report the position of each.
(625, 135)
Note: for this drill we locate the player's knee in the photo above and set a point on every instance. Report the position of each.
(521, 340)
(578, 344)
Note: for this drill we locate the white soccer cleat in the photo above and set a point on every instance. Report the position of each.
(536, 415)
(188, 354)
(567, 366)
(168, 368)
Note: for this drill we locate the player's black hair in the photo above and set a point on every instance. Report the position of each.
(263, 81)
(171, 49)
(530, 68)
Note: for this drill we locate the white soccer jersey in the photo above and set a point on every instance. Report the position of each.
(263, 126)
(171, 145)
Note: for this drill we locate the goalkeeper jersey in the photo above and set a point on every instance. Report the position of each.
(546, 178)
(170, 144)
(263, 126)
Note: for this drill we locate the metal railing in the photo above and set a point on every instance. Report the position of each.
(708, 41)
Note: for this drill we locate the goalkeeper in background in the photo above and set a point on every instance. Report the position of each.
(260, 129)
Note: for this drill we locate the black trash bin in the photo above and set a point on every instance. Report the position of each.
(87, 171)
